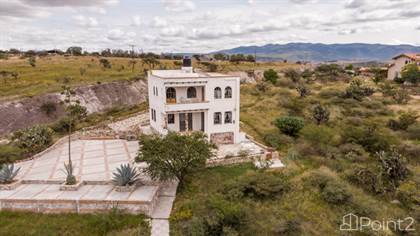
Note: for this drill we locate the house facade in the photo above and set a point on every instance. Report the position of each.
(394, 70)
(186, 100)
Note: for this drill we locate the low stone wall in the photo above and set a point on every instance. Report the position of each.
(76, 206)
(229, 161)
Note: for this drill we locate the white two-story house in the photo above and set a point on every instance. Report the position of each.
(186, 100)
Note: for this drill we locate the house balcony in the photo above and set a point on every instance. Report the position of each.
(187, 106)
(186, 98)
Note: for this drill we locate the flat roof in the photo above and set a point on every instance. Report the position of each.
(179, 74)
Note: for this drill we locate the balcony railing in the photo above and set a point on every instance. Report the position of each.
(184, 100)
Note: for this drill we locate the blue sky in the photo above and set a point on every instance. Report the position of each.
(204, 25)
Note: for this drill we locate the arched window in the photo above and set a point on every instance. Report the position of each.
(191, 92)
(228, 92)
(170, 94)
(217, 92)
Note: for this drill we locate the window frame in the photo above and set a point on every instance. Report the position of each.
(219, 116)
(171, 119)
(226, 116)
(193, 90)
(218, 93)
(228, 88)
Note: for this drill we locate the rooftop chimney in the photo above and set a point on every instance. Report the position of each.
(187, 65)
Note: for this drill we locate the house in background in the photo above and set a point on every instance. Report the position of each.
(186, 100)
(394, 70)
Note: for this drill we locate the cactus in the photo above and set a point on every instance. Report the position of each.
(125, 175)
(69, 168)
(8, 173)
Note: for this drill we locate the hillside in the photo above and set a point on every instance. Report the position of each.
(324, 52)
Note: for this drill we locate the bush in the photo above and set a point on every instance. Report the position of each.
(303, 90)
(290, 125)
(318, 135)
(276, 140)
(404, 120)
(357, 90)
(76, 111)
(329, 93)
(294, 105)
(292, 74)
(366, 179)
(393, 167)
(62, 125)
(320, 114)
(258, 186)
(369, 135)
(411, 151)
(48, 107)
(9, 153)
(33, 139)
(413, 132)
(401, 96)
(271, 75)
(335, 193)
(105, 63)
(408, 194)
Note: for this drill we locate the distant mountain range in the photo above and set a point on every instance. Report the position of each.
(319, 52)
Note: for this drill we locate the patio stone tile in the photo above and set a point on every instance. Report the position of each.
(98, 192)
(28, 192)
(52, 192)
(114, 195)
(75, 195)
(144, 193)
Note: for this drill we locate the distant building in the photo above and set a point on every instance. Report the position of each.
(394, 70)
(186, 100)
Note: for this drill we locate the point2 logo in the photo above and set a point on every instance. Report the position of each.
(353, 222)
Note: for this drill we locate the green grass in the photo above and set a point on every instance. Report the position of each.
(26, 223)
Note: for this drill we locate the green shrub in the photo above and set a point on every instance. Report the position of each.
(365, 178)
(10, 153)
(320, 114)
(413, 132)
(401, 96)
(271, 75)
(276, 140)
(63, 124)
(260, 186)
(408, 194)
(335, 193)
(33, 139)
(293, 75)
(404, 121)
(357, 90)
(318, 135)
(411, 151)
(368, 135)
(48, 108)
(290, 125)
(287, 227)
(393, 167)
(76, 111)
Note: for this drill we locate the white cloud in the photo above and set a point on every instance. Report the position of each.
(174, 30)
(159, 22)
(136, 20)
(178, 5)
(118, 35)
(14, 8)
(355, 3)
(86, 21)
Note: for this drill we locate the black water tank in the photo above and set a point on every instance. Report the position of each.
(186, 62)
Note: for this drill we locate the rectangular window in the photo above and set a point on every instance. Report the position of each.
(228, 117)
(152, 114)
(217, 118)
(155, 114)
(171, 118)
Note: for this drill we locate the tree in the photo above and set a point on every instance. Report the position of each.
(271, 76)
(292, 74)
(32, 61)
(74, 51)
(320, 114)
(174, 156)
(220, 56)
(151, 62)
(349, 67)
(411, 73)
(289, 125)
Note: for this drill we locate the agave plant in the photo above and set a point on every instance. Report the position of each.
(68, 169)
(8, 173)
(125, 175)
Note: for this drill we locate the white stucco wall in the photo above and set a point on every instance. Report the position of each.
(210, 105)
(399, 63)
